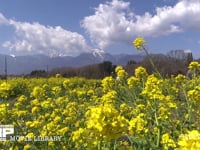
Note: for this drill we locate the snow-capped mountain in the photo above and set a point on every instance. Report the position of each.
(98, 53)
(26, 64)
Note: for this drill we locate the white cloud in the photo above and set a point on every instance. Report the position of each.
(109, 24)
(113, 22)
(53, 41)
(3, 20)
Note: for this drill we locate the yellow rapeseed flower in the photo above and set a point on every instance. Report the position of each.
(194, 95)
(56, 90)
(141, 73)
(22, 98)
(62, 131)
(118, 68)
(35, 110)
(190, 141)
(30, 134)
(76, 135)
(105, 120)
(109, 97)
(180, 78)
(153, 88)
(133, 82)
(37, 92)
(122, 74)
(14, 148)
(27, 147)
(139, 43)
(5, 89)
(137, 125)
(167, 141)
(194, 66)
(108, 83)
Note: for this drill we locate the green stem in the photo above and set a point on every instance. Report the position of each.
(151, 61)
(99, 145)
(188, 105)
(158, 133)
(158, 138)
(6, 108)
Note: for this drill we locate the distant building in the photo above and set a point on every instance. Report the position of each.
(185, 55)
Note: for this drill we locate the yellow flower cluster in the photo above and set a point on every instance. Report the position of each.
(194, 66)
(153, 88)
(194, 95)
(121, 73)
(190, 141)
(137, 125)
(141, 73)
(167, 142)
(3, 112)
(139, 43)
(105, 121)
(5, 89)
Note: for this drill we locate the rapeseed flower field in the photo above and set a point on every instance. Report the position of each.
(138, 112)
(143, 111)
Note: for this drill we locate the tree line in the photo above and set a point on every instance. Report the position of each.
(166, 65)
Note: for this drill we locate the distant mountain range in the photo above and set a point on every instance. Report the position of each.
(25, 64)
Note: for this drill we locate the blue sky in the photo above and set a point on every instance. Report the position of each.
(70, 27)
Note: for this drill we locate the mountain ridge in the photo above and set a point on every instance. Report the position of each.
(17, 65)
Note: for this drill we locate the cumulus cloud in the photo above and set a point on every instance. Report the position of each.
(114, 22)
(110, 23)
(54, 41)
(37, 38)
